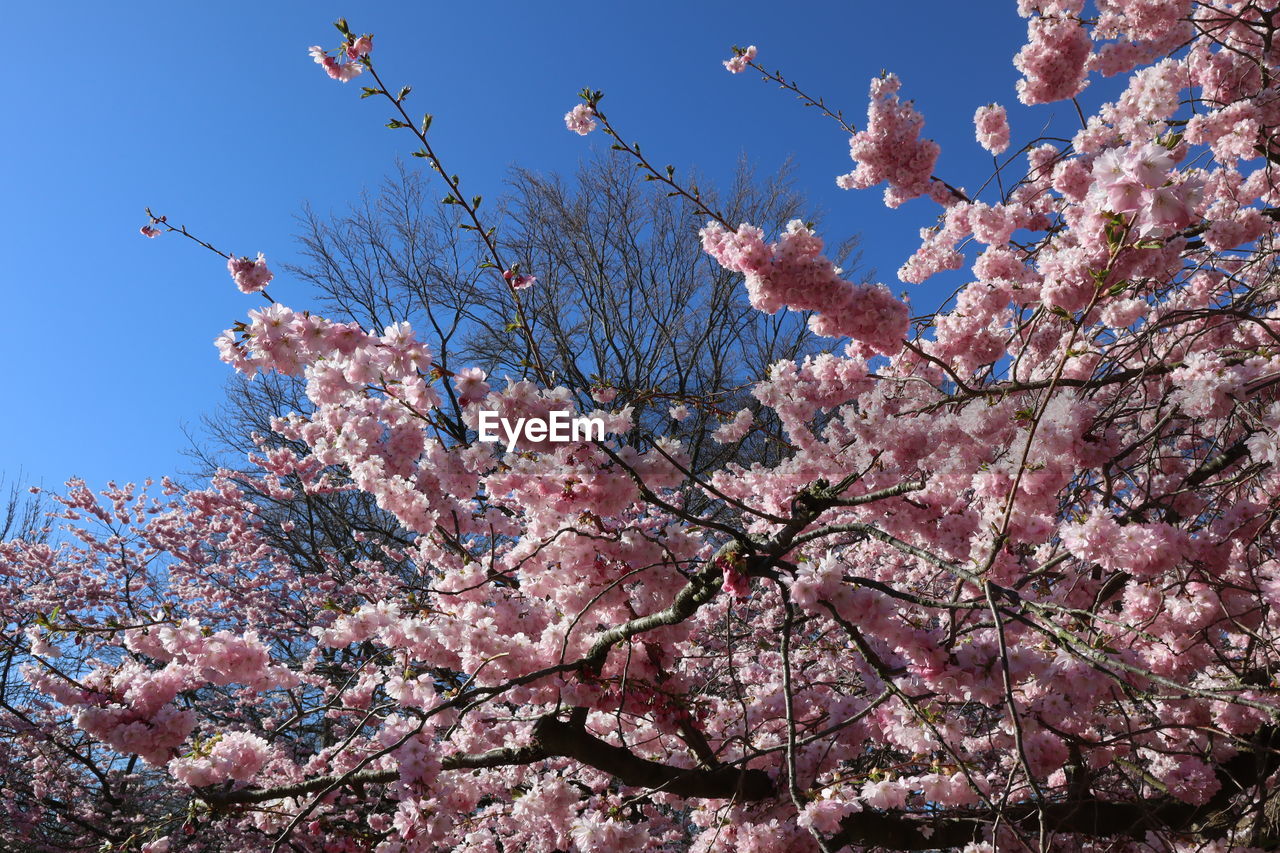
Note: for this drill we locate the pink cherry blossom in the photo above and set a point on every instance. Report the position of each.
(890, 148)
(1005, 554)
(360, 47)
(992, 127)
(251, 276)
(738, 62)
(581, 119)
(342, 71)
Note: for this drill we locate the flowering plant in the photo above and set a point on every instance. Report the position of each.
(1010, 586)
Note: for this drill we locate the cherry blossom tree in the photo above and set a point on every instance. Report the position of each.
(1010, 586)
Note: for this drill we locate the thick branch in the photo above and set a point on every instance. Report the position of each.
(461, 761)
(896, 831)
(553, 738)
(1098, 818)
(700, 589)
(572, 741)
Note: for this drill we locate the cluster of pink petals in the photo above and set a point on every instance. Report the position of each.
(890, 148)
(601, 832)
(359, 47)
(128, 708)
(738, 62)
(1107, 258)
(338, 70)
(1264, 445)
(991, 125)
(825, 814)
(470, 384)
(1136, 181)
(220, 658)
(1142, 550)
(234, 755)
(735, 429)
(793, 273)
(519, 281)
(1054, 61)
(581, 119)
(251, 276)
(1144, 30)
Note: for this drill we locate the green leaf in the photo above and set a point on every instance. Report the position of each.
(426, 120)
(395, 123)
(368, 91)
(404, 93)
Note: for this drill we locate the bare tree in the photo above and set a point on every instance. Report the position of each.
(625, 301)
(23, 513)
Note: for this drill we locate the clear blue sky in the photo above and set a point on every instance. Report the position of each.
(213, 114)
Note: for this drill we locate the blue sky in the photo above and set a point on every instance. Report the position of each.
(214, 115)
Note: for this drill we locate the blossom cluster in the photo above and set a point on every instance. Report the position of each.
(793, 273)
(923, 584)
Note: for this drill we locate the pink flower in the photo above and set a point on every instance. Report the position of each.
(1125, 196)
(793, 273)
(40, 644)
(890, 149)
(1168, 209)
(250, 276)
(235, 755)
(519, 281)
(1148, 164)
(148, 231)
(825, 814)
(1053, 61)
(580, 119)
(736, 583)
(336, 70)
(360, 47)
(991, 125)
(886, 794)
(738, 63)
(470, 385)
(734, 430)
